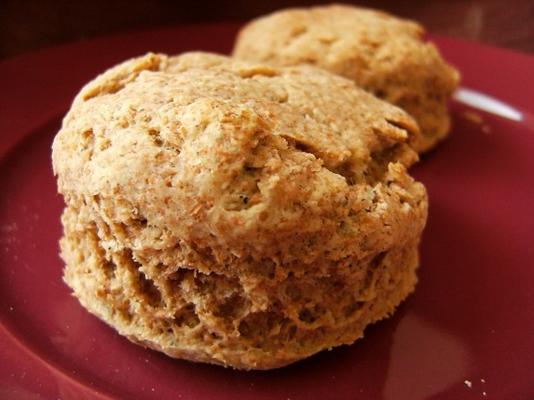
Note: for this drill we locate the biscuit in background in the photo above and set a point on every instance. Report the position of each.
(383, 54)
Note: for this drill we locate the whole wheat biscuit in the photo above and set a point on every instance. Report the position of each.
(383, 54)
(235, 213)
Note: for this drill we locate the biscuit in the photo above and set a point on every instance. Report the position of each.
(383, 54)
(236, 213)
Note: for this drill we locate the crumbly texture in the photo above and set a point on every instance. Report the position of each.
(383, 54)
(236, 213)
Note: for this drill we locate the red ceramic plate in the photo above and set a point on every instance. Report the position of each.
(466, 333)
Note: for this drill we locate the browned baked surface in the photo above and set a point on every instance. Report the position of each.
(383, 54)
(234, 213)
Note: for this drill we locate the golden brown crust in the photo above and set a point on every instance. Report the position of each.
(236, 213)
(384, 54)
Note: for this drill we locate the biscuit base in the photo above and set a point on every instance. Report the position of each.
(120, 301)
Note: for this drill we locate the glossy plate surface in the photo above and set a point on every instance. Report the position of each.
(466, 333)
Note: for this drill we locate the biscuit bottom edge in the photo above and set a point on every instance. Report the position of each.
(187, 321)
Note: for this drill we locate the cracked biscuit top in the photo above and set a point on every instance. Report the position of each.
(246, 160)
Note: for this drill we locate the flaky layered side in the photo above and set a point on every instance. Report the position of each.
(235, 213)
(383, 54)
